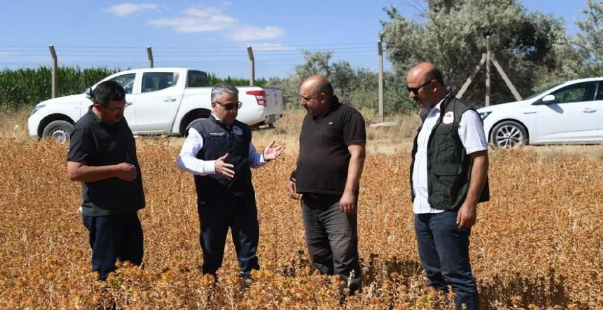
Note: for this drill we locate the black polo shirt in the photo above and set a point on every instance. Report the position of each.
(322, 165)
(96, 143)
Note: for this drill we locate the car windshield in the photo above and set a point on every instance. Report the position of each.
(542, 91)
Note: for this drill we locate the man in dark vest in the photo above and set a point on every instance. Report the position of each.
(448, 179)
(219, 153)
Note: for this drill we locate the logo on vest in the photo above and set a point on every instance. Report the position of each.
(217, 134)
(448, 118)
(237, 131)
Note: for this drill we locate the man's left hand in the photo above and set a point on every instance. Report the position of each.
(272, 152)
(466, 215)
(347, 203)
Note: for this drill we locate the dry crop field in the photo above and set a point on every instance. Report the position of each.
(537, 244)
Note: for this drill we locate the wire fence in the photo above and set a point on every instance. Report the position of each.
(270, 61)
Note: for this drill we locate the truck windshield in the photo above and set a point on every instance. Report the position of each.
(197, 79)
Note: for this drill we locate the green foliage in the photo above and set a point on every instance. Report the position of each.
(356, 86)
(453, 35)
(213, 80)
(25, 87)
(590, 41)
(585, 53)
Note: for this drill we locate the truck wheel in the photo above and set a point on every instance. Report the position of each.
(58, 131)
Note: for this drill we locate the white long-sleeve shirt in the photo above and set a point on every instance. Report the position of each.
(188, 161)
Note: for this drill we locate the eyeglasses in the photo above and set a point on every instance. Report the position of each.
(415, 90)
(230, 106)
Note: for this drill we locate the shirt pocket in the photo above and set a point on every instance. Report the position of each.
(443, 129)
(447, 179)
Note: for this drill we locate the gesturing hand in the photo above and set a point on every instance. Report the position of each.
(224, 169)
(126, 171)
(272, 151)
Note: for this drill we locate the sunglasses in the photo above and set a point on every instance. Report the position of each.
(415, 90)
(114, 109)
(230, 106)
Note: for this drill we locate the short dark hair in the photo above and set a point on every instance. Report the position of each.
(324, 87)
(106, 92)
(435, 74)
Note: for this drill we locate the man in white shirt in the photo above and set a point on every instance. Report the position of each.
(448, 180)
(219, 153)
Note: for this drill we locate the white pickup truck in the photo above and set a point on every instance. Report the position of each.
(161, 101)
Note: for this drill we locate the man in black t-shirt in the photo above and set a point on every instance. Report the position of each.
(102, 156)
(329, 166)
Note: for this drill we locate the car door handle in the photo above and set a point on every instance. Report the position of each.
(589, 110)
(128, 103)
(170, 99)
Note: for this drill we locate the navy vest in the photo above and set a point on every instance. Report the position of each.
(219, 139)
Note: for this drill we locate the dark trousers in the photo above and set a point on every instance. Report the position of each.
(216, 216)
(444, 253)
(112, 238)
(332, 238)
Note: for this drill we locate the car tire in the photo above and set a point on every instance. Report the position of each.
(508, 134)
(58, 131)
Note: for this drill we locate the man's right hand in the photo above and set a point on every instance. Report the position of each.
(224, 169)
(126, 171)
(292, 187)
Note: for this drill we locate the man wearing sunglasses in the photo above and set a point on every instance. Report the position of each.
(102, 156)
(219, 153)
(448, 179)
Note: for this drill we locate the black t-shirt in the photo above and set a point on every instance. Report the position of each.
(322, 165)
(96, 143)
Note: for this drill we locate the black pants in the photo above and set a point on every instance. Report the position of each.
(216, 216)
(332, 238)
(112, 238)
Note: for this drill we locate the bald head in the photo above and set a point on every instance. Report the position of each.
(426, 85)
(320, 85)
(427, 72)
(316, 92)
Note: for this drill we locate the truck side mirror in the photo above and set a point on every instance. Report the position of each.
(88, 93)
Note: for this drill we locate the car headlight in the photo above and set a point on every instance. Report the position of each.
(483, 115)
(36, 108)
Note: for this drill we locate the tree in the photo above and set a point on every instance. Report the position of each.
(589, 41)
(452, 34)
(340, 74)
(356, 86)
(580, 56)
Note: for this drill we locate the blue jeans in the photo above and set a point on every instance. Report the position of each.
(216, 216)
(112, 238)
(332, 238)
(444, 253)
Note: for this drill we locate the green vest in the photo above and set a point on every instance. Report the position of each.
(448, 166)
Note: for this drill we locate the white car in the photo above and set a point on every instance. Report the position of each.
(160, 101)
(567, 113)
